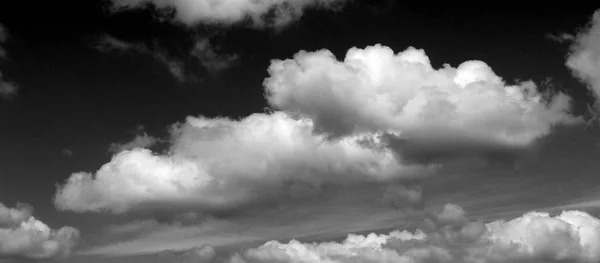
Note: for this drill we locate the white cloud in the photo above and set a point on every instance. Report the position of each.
(261, 13)
(142, 140)
(365, 119)
(584, 59)
(572, 236)
(223, 163)
(21, 235)
(445, 111)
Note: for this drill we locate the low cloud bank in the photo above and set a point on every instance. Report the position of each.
(449, 236)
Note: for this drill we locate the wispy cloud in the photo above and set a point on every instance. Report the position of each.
(210, 58)
(108, 43)
(7, 88)
(202, 53)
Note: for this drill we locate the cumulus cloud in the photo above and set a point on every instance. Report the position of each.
(216, 163)
(7, 88)
(572, 236)
(584, 59)
(261, 13)
(21, 235)
(374, 117)
(432, 113)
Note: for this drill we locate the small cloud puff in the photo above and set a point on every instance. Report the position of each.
(572, 236)
(261, 13)
(21, 235)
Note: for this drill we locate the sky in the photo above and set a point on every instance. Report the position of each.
(298, 131)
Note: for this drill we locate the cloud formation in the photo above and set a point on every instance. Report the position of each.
(260, 13)
(21, 235)
(435, 112)
(584, 59)
(374, 117)
(7, 88)
(449, 236)
(219, 163)
(203, 53)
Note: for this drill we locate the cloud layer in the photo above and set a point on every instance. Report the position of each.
(584, 59)
(261, 13)
(374, 117)
(449, 236)
(21, 235)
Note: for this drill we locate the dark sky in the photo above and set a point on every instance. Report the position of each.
(74, 100)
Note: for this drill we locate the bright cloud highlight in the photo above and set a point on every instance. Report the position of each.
(261, 13)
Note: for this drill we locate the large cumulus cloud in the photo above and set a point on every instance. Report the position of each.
(376, 116)
(216, 163)
(584, 59)
(449, 236)
(436, 112)
(21, 235)
(261, 13)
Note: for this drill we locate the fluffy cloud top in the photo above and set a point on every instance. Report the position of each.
(21, 235)
(584, 60)
(221, 162)
(572, 236)
(374, 89)
(262, 13)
